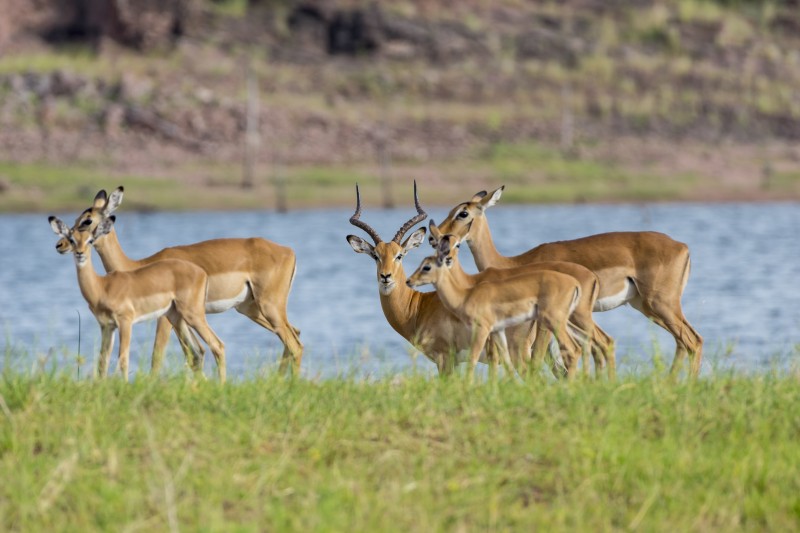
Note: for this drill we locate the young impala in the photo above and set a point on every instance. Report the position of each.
(253, 276)
(581, 323)
(171, 288)
(545, 296)
(419, 317)
(645, 269)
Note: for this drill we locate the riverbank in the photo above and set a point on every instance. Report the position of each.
(631, 170)
(401, 453)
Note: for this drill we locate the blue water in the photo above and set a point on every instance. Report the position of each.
(743, 295)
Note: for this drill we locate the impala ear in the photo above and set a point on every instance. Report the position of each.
(360, 246)
(100, 199)
(442, 251)
(58, 227)
(414, 240)
(492, 199)
(114, 201)
(478, 196)
(436, 235)
(104, 227)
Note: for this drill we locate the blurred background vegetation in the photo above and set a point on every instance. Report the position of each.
(287, 103)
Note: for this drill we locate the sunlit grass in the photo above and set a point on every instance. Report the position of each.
(542, 174)
(401, 453)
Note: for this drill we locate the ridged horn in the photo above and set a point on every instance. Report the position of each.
(421, 215)
(354, 220)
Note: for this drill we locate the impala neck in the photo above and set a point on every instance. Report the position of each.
(401, 308)
(111, 254)
(90, 282)
(450, 288)
(459, 276)
(482, 246)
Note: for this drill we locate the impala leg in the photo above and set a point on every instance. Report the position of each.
(541, 349)
(163, 329)
(603, 342)
(106, 345)
(269, 317)
(687, 340)
(450, 361)
(188, 342)
(442, 365)
(479, 336)
(584, 337)
(570, 351)
(125, 326)
(500, 336)
(190, 347)
(541, 342)
(492, 348)
(199, 324)
(520, 339)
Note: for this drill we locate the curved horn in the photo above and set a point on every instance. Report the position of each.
(422, 215)
(354, 220)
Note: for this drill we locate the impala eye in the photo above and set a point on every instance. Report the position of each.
(87, 222)
(399, 257)
(426, 268)
(463, 214)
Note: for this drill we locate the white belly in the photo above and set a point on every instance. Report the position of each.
(615, 300)
(220, 306)
(152, 315)
(513, 321)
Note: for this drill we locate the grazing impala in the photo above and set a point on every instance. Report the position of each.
(419, 317)
(253, 276)
(581, 323)
(645, 269)
(171, 288)
(488, 307)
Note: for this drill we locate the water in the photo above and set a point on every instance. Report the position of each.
(743, 295)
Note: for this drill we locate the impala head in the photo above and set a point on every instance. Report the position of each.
(469, 215)
(435, 236)
(388, 256)
(432, 267)
(78, 242)
(102, 207)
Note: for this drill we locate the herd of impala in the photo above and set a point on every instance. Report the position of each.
(508, 312)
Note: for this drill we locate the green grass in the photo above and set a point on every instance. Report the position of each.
(541, 174)
(404, 453)
(50, 187)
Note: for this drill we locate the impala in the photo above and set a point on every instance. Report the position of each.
(581, 324)
(419, 317)
(171, 288)
(645, 269)
(253, 276)
(488, 307)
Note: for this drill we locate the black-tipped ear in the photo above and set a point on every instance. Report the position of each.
(443, 249)
(360, 246)
(100, 199)
(114, 201)
(58, 227)
(104, 227)
(478, 196)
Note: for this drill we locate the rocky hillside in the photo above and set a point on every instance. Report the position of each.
(413, 81)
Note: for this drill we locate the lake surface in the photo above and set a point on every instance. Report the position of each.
(743, 295)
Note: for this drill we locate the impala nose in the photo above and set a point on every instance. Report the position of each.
(384, 277)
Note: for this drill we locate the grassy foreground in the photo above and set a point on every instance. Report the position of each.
(404, 453)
